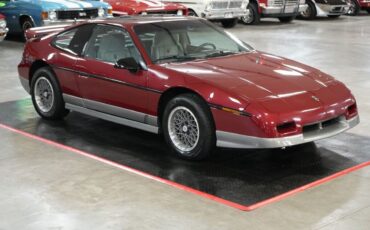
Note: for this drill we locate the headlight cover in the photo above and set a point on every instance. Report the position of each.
(52, 15)
(101, 12)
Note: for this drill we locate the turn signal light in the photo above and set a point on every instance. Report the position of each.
(110, 11)
(45, 15)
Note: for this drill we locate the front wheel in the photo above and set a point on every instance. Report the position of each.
(26, 24)
(310, 13)
(229, 23)
(286, 19)
(188, 127)
(252, 17)
(46, 95)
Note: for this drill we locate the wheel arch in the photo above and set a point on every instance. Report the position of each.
(23, 17)
(38, 64)
(172, 93)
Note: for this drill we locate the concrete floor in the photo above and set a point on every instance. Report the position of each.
(45, 187)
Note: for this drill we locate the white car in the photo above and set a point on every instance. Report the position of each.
(3, 28)
(225, 11)
(329, 8)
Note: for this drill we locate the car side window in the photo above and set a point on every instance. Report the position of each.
(110, 44)
(74, 40)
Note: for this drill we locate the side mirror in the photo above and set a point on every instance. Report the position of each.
(128, 63)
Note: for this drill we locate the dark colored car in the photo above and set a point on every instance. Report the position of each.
(183, 77)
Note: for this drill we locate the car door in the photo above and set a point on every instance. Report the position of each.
(106, 88)
(69, 46)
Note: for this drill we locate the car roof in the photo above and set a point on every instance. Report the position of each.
(143, 19)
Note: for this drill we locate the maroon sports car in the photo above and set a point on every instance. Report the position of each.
(183, 77)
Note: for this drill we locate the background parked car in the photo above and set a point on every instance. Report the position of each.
(3, 28)
(329, 8)
(356, 5)
(225, 11)
(131, 7)
(24, 14)
(285, 11)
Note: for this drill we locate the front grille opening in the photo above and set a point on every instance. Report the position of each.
(310, 128)
(322, 125)
(330, 122)
(286, 127)
(77, 14)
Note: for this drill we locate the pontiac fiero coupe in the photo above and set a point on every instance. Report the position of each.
(183, 77)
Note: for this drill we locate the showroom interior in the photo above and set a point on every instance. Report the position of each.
(197, 114)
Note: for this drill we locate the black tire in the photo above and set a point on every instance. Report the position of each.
(229, 23)
(286, 19)
(57, 110)
(333, 16)
(26, 24)
(354, 7)
(207, 135)
(192, 13)
(310, 12)
(254, 17)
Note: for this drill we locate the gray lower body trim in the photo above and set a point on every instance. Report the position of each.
(112, 113)
(234, 140)
(25, 83)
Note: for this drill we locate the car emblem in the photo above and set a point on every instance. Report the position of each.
(315, 98)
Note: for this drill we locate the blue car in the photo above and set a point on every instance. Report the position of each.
(24, 14)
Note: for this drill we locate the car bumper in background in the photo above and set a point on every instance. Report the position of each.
(270, 10)
(224, 14)
(68, 21)
(234, 140)
(324, 9)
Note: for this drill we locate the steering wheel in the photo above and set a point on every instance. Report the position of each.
(207, 44)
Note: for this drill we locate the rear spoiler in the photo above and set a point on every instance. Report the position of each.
(40, 32)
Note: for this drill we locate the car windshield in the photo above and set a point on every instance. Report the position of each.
(185, 40)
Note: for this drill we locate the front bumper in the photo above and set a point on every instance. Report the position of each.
(3, 33)
(283, 10)
(234, 140)
(324, 9)
(224, 14)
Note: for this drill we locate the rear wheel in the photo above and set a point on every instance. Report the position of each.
(253, 17)
(229, 23)
(354, 7)
(310, 13)
(286, 19)
(188, 127)
(46, 95)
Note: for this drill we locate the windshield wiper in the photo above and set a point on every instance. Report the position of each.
(176, 58)
(219, 54)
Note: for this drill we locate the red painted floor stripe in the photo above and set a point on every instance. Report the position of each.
(183, 187)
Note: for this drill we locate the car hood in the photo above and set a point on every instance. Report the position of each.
(145, 5)
(264, 77)
(69, 4)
